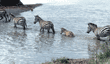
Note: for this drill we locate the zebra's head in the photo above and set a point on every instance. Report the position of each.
(91, 27)
(62, 30)
(37, 19)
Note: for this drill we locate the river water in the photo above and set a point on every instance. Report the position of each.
(32, 47)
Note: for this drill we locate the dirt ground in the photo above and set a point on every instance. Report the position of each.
(18, 9)
(79, 61)
(72, 61)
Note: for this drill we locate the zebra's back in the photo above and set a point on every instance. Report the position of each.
(46, 24)
(16, 19)
(103, 31)
(69, 33)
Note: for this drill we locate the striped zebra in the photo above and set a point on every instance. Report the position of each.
(3, 14)
(99, 31)
(18, 21)
(44, 24)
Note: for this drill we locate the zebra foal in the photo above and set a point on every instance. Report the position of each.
(67, 33)
(99, 31)
(18, 21)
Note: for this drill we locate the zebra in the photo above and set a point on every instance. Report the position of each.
(18, 21)
(3, 13)
(99, 31)
(44, 24)
(67, 33)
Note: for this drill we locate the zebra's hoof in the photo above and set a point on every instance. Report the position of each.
(98, 39)
(15, 27)
(24, 28)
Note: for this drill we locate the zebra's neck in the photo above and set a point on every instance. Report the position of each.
(40, 22)
(40, 19)
(65, 31)
(94, 29)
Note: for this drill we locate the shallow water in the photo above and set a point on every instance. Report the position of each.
(32, 47)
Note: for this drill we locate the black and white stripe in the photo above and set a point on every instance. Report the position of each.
(99, 31)
(105, 29)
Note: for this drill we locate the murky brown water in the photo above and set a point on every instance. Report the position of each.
(32, 47)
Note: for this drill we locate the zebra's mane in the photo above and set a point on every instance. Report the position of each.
(38, 17)
(92, 24)
(63, 29)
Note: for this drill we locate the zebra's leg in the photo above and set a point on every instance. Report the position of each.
(40, 29)
(15, 26)
(5, 17)
(43, 30)
(98, 37)
(24, 27)
(8, 18)
(53, 29)
(48, 30)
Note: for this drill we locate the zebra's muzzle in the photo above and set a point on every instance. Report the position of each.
(34, 22)
(87, 32)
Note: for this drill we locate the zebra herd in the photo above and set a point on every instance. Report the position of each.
(98, 31)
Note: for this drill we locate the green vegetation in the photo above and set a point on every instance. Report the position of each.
(50, 63)
(102, 58)
(62, 60)
(92, 61)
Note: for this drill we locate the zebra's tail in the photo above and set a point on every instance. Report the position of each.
(25, 22)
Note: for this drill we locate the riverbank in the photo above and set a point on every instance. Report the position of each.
(77, 61)
(18, 9)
